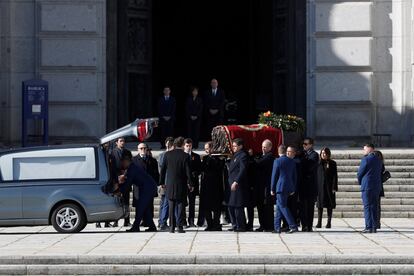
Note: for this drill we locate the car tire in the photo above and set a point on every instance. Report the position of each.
(68, 218)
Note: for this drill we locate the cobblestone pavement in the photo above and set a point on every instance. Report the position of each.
(395, 238)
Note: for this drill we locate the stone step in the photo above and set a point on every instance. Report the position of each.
(388, 162)
(392, 181)
(389, 168)
(357, 194)
(384, 201)
(207, 265)
(405, 175)
(387, 188)
(341, 155)
(384, 208)
(359, 214)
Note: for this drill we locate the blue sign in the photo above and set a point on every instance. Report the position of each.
(35, 106)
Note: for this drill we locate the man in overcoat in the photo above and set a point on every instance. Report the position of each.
(239, 188)
(176, 174)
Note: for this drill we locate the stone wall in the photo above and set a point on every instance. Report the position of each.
(359, 73)
(62, 42)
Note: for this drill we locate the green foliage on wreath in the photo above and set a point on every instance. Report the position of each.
(285, 122)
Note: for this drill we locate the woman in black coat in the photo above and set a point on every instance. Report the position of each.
(327, 186)
(211, 191)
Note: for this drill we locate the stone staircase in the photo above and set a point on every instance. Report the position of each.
(399, 190)
(207, 265)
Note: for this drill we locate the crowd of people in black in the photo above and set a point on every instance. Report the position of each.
(284, 189)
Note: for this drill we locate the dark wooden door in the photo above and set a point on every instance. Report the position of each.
(289, 57)
(134, 60)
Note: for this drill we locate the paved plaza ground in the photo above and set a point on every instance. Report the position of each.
(395, 238)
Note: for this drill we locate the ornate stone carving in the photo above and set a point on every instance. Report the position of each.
(138, 40)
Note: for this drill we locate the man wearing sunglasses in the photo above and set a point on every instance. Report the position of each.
(308, 189)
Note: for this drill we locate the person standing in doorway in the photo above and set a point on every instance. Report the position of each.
(214, 101)
(194, 111)
(166, 112)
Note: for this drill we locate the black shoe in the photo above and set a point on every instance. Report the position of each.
(284, 229)
(180, 230)
(164, 228)
(172, 229)
(249, 229)
(240, 230)
(190, 225)
(107, 224)
(304, 229)
(318, 225)
(310, 229)
(276, 231)
(366, 230)
(260, 229)
(208, 228)
(151, 229)
(98, 225)
(115, 224)
(126, 223)
(328, 225)
(374, 230)
(217, 228)
(133, 229)
(230, 229)
(292, 231)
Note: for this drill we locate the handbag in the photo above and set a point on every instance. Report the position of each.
(385, 176)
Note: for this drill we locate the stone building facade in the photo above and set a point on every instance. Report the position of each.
(358, 78)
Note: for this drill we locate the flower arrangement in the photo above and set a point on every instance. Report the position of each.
(285, 122)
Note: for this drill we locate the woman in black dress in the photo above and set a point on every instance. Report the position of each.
(327, 186)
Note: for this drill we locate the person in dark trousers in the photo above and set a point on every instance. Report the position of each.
(382, 194)
(262, 167)
(149, 164)
(195, 167)
(292, 202)
(284, 179)
(175, 176)
(327, 186)
(211, 190)
(308, 191)
(145, 186)
(164, 209)
(166, 112)
(194, 112)
(116, 155)
(369, 177)
(214, 103)
(238, 186)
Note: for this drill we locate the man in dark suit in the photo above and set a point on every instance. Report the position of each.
(262, 167)
(194, 111)
(148, 164)
(166, 111)
(239, 188)
(284, 179)
(369, 177)
(176, 173)
(195, 167)
(214, 100)
(146, 186)
(309, 190)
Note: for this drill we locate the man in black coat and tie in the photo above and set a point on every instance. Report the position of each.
(262, 167)
(175, 171)
(166, 111)
(214, 101)
(195, 167)
(148, 164)
(308, 191)
(239, 186)
(194, 111)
